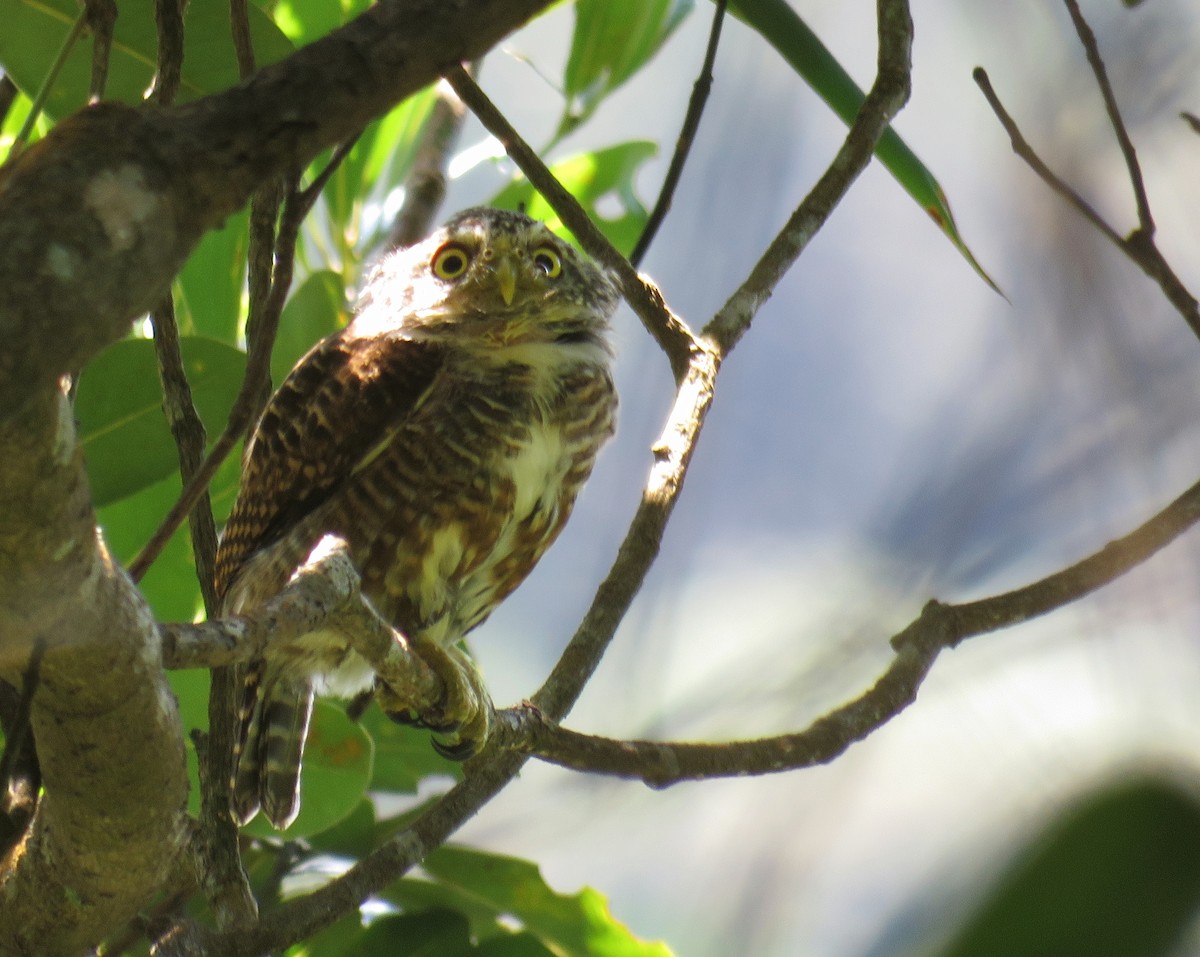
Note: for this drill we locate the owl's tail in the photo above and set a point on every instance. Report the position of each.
(276, 710)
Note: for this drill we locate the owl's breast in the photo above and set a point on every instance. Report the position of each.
(500, 468)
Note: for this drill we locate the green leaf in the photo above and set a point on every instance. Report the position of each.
(1117, 874)
(592, 178)
(304, 21)
(209, 289)
(170, 585)
(403, 755)
(579, 925)
(432, 933)
(314, 310)
(338, 940)
(124, 433)
(782, 27)
(613, 39)
(35, 29)
(337, 769)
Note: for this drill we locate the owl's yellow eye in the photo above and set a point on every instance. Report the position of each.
(547, 259)
(451, 261)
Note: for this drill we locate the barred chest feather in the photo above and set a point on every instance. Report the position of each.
(447, 514)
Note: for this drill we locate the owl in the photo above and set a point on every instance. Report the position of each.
(444, 435)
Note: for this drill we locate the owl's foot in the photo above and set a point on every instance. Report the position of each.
(463, 718)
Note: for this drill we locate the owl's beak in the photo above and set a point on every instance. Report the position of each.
(505, 272)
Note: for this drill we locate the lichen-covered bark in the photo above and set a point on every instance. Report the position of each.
(95, 221)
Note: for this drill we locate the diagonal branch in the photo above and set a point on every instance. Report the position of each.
(888, 94)
(1139, 246)
(668, 330)
(528, 730)
(1092, 49)
(488, 774)
(687, 136)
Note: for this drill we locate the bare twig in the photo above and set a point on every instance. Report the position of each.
(1139, 246)
(668, 330)
(887, 95)
(301, 917)
(258, 368)
(324, 594)
(243, 45)
(101, 17)
(185, 423)
(168, 21)
(187, 429)
(939, 626)
(1026, 152)
(425, 185)
(687, 136)
(1092, 49)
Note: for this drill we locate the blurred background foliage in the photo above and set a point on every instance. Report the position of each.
(1114, 869)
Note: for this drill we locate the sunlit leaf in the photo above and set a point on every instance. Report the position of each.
(210, 286)
(613, 39)
(303, 21)
(126, 441)
(578, 925)
(35, 29)
(599, 181)
(782, 27)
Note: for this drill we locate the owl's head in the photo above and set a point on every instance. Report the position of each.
(490, 277)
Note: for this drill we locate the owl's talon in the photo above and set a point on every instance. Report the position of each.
(460, 751)
(463, 716)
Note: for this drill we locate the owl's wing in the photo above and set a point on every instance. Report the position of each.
(340, 400)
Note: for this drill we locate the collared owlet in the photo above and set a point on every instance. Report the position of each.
(444, 435)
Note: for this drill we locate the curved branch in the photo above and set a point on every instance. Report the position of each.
(489, 773)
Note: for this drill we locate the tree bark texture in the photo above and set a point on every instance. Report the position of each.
(95, 221)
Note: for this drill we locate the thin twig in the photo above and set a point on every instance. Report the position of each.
(101, 17)
(886, 97)
(168, 22)
(425, 185)
(492, 771)
(187, 429)
(939, 626)
(1092, 49)
(668, 330)
(258, 368)
(243, 45)
(1021, 147)
(1139, 246)
(39, 98)
(687, 136)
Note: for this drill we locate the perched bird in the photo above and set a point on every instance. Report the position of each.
(444, 435)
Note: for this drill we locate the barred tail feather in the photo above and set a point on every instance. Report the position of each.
(275, 725)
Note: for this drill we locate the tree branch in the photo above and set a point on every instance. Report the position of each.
(1139, 246)
(528, 730)
(324, 594)
(488, 774)
(888, 94)
(687, 136)
(95, 220)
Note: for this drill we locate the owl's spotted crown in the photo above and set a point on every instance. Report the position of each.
(492, 276)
